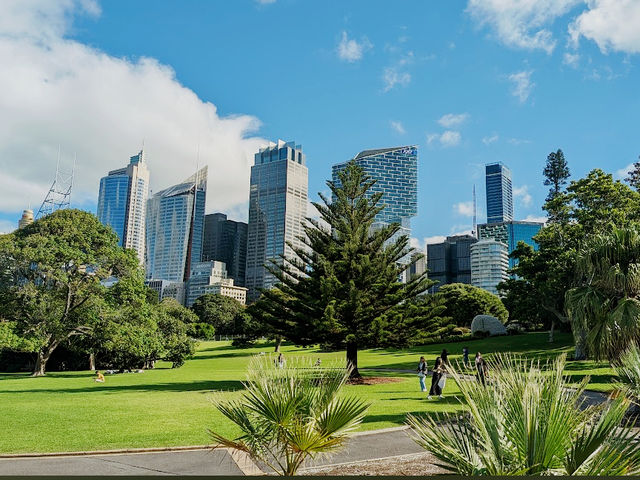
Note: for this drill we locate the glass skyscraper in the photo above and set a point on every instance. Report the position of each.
(489, 264)
(396, 173)
(226, 241)
(122, 203)
(510, 233)
(499, 193)
(450, 261)
(277, 209)
(175, 226)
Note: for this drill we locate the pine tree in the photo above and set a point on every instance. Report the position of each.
(556, 174)
(345, 282)
(634, 176)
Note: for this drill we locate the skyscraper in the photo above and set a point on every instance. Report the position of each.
(510, 233)
(489, 264)
(277, 208)
(226, 241)
(499, 193)
(122, 203)
(175, 224)
(450, 261)
(396, 173)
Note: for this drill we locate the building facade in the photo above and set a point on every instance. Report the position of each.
(122, 203)
(226, 241)
(510, 233)
(395, 171)
(174, 230)
(278, 198)
(489, 264)
(499, 193)
(450, 261)
(167, 289)
(211, 277)
(26, 219)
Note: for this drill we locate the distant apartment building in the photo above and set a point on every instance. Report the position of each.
(26, 219)
(122, 203)
(450, 261)
(499, 193)
(211, 277)
(226, 241)
(395, 171)
(489, 264)
(278, 198)
(174, 230)
(510, 233)
(166, 289)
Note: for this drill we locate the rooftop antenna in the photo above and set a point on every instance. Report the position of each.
(59, 195)
(475, 213)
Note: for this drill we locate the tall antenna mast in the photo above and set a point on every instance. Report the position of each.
(475, 213)
(59, 195)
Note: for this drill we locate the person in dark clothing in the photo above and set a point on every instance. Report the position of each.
(445, 358)
(481, 369)
(422, 373)
(436, 378)
(465, 357)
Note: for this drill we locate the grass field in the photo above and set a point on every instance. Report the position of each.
(68, 411)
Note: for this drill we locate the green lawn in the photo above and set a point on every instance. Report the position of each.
(68, 411)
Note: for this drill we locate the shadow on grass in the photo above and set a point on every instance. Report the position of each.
(398, 418)
(203, 386)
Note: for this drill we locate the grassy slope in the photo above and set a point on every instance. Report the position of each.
(67, 411)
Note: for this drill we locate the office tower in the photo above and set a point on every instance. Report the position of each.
(416, 268)
(450, 261)
(175, 224)
(277, 209)
(510, 233)
(489, 264)
(167, 289)
(499, 193)
(27, 218)
(396, 173)
(226, 241)
(211, 277)
(122, 203)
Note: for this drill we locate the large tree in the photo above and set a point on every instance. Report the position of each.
(463, 302)
(222, 312)
(53, 269)
(345, 280)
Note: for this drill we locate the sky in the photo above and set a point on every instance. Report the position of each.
(209, 82)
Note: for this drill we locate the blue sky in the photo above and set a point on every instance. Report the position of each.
(468, 82)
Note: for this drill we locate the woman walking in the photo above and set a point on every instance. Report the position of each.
(481, 369)
(436, 379)
(422, 373)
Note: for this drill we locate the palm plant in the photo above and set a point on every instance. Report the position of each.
(628, 369)
(529, 422)
(604, 307)
(290, 413)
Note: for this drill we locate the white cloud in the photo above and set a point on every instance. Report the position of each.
(489, 140)
(449, 138)
(57, 91)
(350, 50)
(622, 173)
(522, 193)
(536, 218)
(7, 226)
(571, 59)
(398, 127)
(521, 23)
(392, 76)
(463, 208)
(453, 119)
(612, 24)
(435, 239)
(417, 244)
(518, 141)
(522, 85)
(265, 2)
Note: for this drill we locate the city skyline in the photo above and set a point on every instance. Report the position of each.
(549, 84)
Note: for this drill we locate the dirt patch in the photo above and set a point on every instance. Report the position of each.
(373, 380)
(417, 464)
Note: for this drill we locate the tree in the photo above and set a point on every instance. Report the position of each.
(289, 414)
(605, 303)
(634, 176)
(173, 320)
(345, 278)
(628, 370)
(53, 268)
(556, 173)
(530, 421)
(219, 311)
(463, 302)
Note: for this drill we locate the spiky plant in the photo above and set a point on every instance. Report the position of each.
(529, 421)
(291, 413)
(628, 369)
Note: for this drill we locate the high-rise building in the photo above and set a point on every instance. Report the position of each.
(510, 233)
(450, 261)
(499, 193)
(122, 203)
(395, 171)
(277, 209)
(226, 241)
(175, 224)
(211, 277)
(27, 218)
(489, 264)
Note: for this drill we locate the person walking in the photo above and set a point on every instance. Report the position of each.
(422, 373)
(465, 357)
(481, 369)
(436, 379)
(281, 361)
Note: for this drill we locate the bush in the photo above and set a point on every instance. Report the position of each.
(464, 302)
(201, 331)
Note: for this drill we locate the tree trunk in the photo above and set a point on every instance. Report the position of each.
(92, 362)
(278, 343)
(581, 344)
(352, 360)
(553, 325)
(43, 357)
